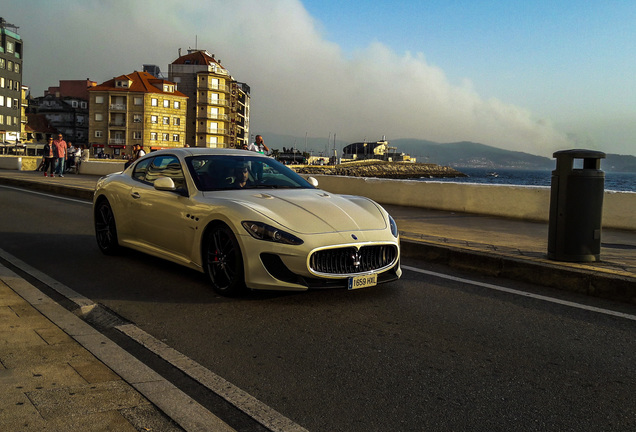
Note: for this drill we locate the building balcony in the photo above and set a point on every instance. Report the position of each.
(215, 102)
(117, 124)
(215, 131)
(213, 87)
(118, 107)
(117, 141)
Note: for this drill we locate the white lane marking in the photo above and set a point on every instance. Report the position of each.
(523, 293)
(242, 400)
(257, 410)
(46, 195)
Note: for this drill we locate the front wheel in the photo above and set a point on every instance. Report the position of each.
(105, 228)
(223, 261)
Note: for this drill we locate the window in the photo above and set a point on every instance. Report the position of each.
(137, 118)
(176, 121)
(74, 104)
(166, 120)
(166, 137)
(98, 134)
(137, 135)
(15, 104)
(1, 119)
(9, 120)
(8, 102)
(138, 101)
(1, 100)
(175, 137)
(154, 119)
(16, 68)
(162, 166)
(153, 136)
(83, 105)
(1, 82)
(154, 102)
(10, 65)
(10, 47)
(99, 117)
(177, 105)
(166, 103)
(99, 99)
(3, 63)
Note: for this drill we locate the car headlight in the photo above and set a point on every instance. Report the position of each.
(262, 231)
(394, 228)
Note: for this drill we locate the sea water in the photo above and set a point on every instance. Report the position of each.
(613, 181)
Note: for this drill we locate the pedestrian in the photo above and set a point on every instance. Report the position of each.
(49, 154)
(77, 158)
(60, 146)
(70, 156)
(258, 145)
(86, 153)
(138, 151)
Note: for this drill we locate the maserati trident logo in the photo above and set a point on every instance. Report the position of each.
(356, 259)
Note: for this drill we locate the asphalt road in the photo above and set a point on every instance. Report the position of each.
(423, 353)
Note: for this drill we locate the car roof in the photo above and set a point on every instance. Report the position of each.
(202, 151)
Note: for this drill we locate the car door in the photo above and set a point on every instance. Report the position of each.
(162, 218)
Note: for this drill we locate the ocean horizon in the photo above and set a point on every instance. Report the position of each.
(614, 181)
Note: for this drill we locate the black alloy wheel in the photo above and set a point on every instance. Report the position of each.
(105, 228)
(223, 261)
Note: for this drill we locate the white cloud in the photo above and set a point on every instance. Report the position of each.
(300, 82)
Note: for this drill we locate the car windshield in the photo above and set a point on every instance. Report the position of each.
(214, 172)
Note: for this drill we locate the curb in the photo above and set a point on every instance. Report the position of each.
(58, 189)
(607, 285)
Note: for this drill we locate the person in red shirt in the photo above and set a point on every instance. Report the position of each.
(60, 146)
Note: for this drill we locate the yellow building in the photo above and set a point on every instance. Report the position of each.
(218, 105)
(136, 109)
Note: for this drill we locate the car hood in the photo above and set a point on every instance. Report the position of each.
(314, 211)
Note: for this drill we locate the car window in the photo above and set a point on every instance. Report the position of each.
(140, 169)
(161, 166)
(214, 172)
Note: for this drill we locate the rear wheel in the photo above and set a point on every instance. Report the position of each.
(223, 261)
(105, 228)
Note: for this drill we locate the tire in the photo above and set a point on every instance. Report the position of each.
(106, 228)
(223, 261)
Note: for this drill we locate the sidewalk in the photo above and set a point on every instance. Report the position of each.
(49, 381)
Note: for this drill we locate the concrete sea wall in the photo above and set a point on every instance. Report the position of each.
(518, 202)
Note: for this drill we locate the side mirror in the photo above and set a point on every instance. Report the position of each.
(312, 181)
(165, 184)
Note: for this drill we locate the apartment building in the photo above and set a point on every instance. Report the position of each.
(137, 108)
(11, 47)
(218, 105)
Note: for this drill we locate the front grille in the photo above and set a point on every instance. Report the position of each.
(351, 260)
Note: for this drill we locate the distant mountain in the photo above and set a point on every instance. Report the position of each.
(463, 154)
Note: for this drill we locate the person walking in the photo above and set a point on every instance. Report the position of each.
(50, 154)
(60, 146)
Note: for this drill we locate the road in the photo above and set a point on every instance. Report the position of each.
(424, 353)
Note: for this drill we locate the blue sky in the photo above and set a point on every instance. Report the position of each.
(533, 76)
(571, 61)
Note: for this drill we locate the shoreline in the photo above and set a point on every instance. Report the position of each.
(382, 169)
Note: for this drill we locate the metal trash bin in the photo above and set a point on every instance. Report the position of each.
(576, 207)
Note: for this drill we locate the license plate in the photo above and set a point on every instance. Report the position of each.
(363, 281)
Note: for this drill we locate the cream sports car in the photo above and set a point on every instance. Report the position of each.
(245, 220)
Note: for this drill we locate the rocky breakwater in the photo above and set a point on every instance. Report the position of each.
(382, 169)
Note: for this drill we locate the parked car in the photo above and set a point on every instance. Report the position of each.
(247, 221)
